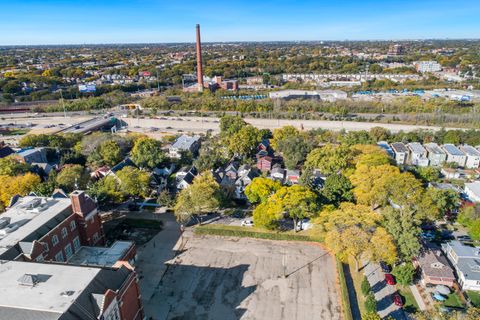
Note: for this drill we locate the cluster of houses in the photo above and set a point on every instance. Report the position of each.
(451, 264)
(431, 154)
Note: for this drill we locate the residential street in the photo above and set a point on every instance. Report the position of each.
(383, 292)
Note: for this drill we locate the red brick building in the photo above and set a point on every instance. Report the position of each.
(65, 236)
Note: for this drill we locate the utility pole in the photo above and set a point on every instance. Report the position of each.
(63, 104)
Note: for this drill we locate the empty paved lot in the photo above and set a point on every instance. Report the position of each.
(222, 278)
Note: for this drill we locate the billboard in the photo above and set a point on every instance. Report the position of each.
(87, 88)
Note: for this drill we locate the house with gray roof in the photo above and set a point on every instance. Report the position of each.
(466, 262)
(436, 155)
(472, 190)
(417, 154)
(184, 143)
(473, 156)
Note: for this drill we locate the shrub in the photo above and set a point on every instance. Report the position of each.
(366, 289)
(371, 303)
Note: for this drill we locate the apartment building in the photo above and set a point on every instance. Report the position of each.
(473, 156)
(436, 155)
(417, 154)
(401, 152)
(454, 155)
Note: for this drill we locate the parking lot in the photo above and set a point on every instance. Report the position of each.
(223, 278)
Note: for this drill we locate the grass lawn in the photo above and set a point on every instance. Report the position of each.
(410, 304)
(253, 232)
(14, 132)
(453, 300)
(474, 297)
(357, 278)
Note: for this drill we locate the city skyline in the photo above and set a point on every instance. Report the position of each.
(34, 22)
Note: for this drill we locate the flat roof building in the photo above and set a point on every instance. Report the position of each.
(418, 154)
(436, 155)
(400, 151)
(53, 291)
(473, 156)
(454, 155)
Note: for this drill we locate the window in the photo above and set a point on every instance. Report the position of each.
(64, 233)
(39, 258)
(73, 225)
(45, 247)
(95, 237)
(68, 251)
(55, 240)
(59, 257)
(76, 244)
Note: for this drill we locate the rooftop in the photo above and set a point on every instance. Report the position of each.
(101, 256)
(470, 151)
(416, 147)
(184, 142)
(452, 150)
(50, 287)
(433, 148)
(399, 147)
(27, 216)
(474, 187)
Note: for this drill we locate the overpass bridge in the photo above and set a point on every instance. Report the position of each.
(91, 125)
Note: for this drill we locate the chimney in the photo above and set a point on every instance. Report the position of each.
(78, 201)
(199, 61)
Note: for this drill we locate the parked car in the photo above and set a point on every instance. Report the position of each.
(385, 267)
(304, 224)
(247, 223)
(438, 297)
(428, 236)
(397, 299)
(390, 279)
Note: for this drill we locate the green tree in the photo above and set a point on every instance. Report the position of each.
(365, 287)
(245, 142)
(428, 174)
(444, 200)
(134, 182)
(337, 189)
(260, 189)
(404, 273)
(371, 304)
(379, 134)
(72, 177)
(267, 215)
(294, 150)
(107, 190)
(329, 159)
(230, 125)
(283, 133)
(17, 185)
(203, 196)
(12, 166)
(404, 228)
(296, 202)
(147, 153)
(111, 153)
(371, 316)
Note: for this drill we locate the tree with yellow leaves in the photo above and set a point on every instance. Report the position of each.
(21, 185)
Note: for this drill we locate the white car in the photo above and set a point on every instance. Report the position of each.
(247, 223)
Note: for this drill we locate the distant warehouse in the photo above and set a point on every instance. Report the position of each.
(324, 95)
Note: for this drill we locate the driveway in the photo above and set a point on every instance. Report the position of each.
(383, 292)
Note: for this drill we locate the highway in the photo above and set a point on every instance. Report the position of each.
(51, 123)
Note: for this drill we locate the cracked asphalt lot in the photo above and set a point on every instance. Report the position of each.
(227, 278)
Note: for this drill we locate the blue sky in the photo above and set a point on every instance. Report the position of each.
(140, 21)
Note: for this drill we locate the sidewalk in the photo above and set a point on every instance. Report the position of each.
(418, 297)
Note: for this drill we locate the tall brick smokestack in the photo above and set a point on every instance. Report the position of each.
(199, 61)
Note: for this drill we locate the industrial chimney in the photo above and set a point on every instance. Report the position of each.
(199, 61)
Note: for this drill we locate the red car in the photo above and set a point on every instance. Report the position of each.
(390, 279)
(397, 300)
